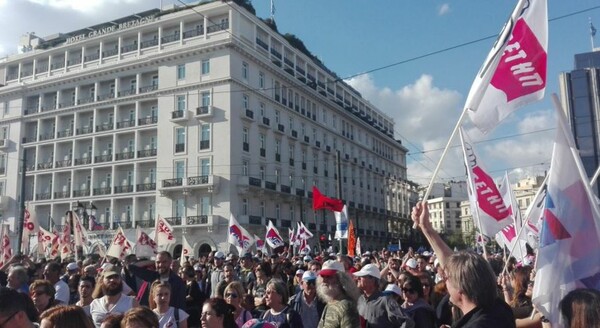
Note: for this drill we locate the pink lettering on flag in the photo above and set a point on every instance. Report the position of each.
(522, 68)
(488, 197)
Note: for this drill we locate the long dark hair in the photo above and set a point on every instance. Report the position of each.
(581, 308)
(222, 309)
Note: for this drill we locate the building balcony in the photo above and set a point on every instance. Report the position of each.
(149, 43)
(174, 220)
(83, 101)
(124, 155)
(198, 219)
(125, 124)
(81, 193)
(102, 191)
(28, 139)
(105, 96)
(126, 92)
(294, 134)
(306, 139)
(129, 48)
(178, 115)
(110, 53)
(104, 127)
(145, 223)
(123, 224)
(47, 108)
(47, 136)
(103, 158)
(123, 189)
(65, 163)
(43, 196)
(280, 129)
(192, 33)
(170, 38)
(265, 122)
(84, 130)
(44, 166)
(83, 161)
(62, 194)
(145, 187)
(169, 183)
(248, 115)
(64, 133)
(148, 120)
(146, 153)
(148, 88)
(204, 111)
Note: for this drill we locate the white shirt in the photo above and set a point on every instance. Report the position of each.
(167, 319)
(99, 308)
(63, 294)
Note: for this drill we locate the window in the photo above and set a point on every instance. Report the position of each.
(245, 168)
(263, 110)
(277, 114)
(277, 146)
(246, 101)
(245, 135)
(181, 71)
(244, 70)
(292, 150)
(205, 66)
(180, 103)
(292, 212)
(205, 99)
(179, 208)
(179, 169)
(179, 140)
(261, 140)
(205, 136)
(244, 206)
(261, 80)
(291, 123)
(205, 167)
(262, 172)
(205, 208)
(262, 209)
(291, 181)
(277, 176)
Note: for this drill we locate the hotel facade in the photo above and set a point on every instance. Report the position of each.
(193, 114)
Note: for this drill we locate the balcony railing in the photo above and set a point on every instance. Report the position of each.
(81, 193)
(193, 33)
(44, 166)
(102, 191)
(148, 88)
(149, 43)
(197, 219)
(103, 158)
(146, 153)
(109, 53)
(126, 92)
(123, 189)
(123, 224)
(254, 182)
(175, 220)
(202, 179)
(129, 48)
(145, 187)
(125, 124)
(105, 96)
(270, 185)
(64, 134)
(125, 155)
(43, 196)
(177, 114)
(83, 161)
(104, 127)
(170, 38)
(91, 57)
(84, 130)
(177, 182)
(62, 194)
(64, 163)
(145, 223)
(148, 120)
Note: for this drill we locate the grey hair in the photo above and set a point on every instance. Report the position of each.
(20, 273)
(473, 275)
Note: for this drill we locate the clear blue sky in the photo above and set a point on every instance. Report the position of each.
(424, 96)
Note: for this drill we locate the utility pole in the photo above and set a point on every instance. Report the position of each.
(21, 220)
(338, 169)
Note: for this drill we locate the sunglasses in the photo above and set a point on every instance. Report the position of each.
(310, 282)
(408, 290)
(232, 295)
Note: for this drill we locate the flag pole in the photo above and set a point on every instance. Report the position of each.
(439, 164)
(595, 177)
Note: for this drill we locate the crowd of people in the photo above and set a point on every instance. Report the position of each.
(434, 289)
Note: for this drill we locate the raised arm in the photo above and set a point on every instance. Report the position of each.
(420, 216)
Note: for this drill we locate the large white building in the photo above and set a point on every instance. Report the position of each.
(193, 114)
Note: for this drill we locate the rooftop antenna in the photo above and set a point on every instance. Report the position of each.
(272, 10)
(592, 32)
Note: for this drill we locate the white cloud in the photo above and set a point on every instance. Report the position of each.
(424, 116)
(443, 9)
(87, 6)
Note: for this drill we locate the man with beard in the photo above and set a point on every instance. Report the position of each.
(306, 302)
(109, 298)
(337, 289)
(163, 273)
(375, 308)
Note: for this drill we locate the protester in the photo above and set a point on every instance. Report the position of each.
(108, 298)
(42, 293)
(234, 294)
(306, 302)
(279, 313)
(216, 274)
(168, 316)
(18, 279)
(259, 286)
(216, 313)
(52, 274)
(376, 309)
(164, 273)
(415, 304)
(85, 289)
(16, 309)
(193, 296)
(338, 290)
(70, 316)
(581, 308)
(470, 280)
(247, 270)
(139, 317)
(228, 277)
(114, 321)
(514, 289)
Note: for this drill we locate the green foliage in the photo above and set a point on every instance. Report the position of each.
(246, 4)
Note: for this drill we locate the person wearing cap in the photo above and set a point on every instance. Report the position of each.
(393, 291)
(337, 289)
(373, 307)
(247, 270)
(470, 280)
(346, 262)
(216, 274)
(52, 274)
(113, 300)
(306, 302)
(163, 273)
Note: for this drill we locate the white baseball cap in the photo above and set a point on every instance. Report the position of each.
(309, 276)
(219, 255)
(369, 270)
(392, 289)
(72, 266)
(330, 268)
(411, 263)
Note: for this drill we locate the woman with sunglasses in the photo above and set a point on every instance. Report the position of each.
(168, 316)
(415, 304)
(234, 293)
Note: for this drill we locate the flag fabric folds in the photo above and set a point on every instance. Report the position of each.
(323, 202)
(79, 233)
(341, 223)
(570, 234)
(489, 212)
(55, 246)
(66, 247)
(260, 244)
(238, 236)
(351, 240)
(303, 232)
(358, 247)
(163, 233)
(272, 236)
(120, 246)
(45, 239)
(514, 72)
(186, 251)
(30, 228)
(5, 243)
(145, 247)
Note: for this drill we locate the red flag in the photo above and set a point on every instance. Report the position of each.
(320, 201)
(351, 239)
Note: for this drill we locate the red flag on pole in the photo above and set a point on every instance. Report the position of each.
(320, 201)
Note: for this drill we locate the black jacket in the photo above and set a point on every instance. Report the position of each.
(499, 315)
(178, 288)
(296, 301)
